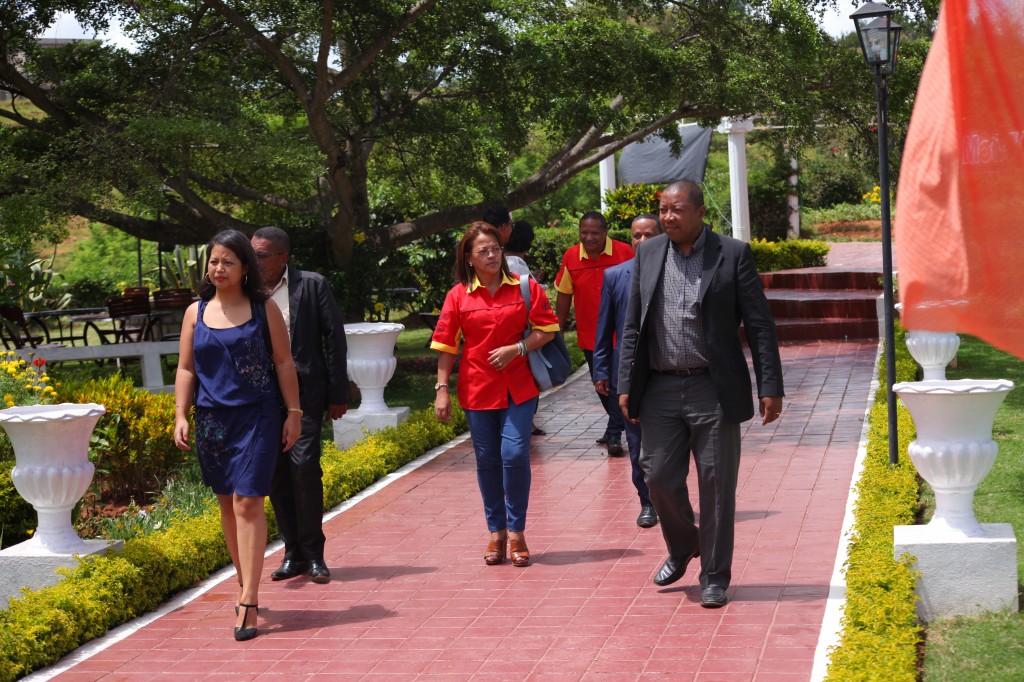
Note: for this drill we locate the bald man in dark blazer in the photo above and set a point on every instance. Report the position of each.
(683, 375)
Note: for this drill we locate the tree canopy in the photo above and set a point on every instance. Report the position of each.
(381, 120)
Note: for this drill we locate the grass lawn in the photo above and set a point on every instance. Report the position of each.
(990, 647)
(413, 383)
(24, 107)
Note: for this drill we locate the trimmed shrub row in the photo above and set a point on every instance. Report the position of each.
(788, 255)
(881, 634)
(17, 517)
(103, 592)
(545, 255)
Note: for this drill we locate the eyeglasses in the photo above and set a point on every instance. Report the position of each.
(484, 253)
(262, 255)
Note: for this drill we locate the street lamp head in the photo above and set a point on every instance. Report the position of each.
(879, 36)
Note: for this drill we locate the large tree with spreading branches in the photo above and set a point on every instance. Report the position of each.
(380, 120)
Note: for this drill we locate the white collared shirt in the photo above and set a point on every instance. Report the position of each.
(279, 294)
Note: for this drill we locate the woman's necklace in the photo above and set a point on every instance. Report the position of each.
(235, 308)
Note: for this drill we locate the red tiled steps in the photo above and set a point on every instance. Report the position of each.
(824, 303)
(823, 278)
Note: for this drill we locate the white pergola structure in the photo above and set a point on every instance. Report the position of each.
(736, 129)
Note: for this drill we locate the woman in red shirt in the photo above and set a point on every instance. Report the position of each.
(486, 312)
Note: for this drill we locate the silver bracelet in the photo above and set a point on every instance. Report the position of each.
(522, 348)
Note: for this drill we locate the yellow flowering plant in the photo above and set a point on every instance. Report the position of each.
(873, 197)
(23, 383)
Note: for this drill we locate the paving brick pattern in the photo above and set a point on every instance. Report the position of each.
(412, 599)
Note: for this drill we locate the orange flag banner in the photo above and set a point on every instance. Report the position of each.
(959, 223)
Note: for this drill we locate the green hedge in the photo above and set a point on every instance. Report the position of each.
(132, 448)
(102, 592)
(628, 201)
(881, 634)
(550, 243)
(133, 443)
(788, 255)
(17, 517)
(545, 256)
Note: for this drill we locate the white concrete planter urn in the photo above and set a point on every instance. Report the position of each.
(954, 450)
(371, 360)
(52, 468)
(933, 351)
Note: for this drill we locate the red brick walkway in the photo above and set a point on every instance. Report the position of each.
(412, 599)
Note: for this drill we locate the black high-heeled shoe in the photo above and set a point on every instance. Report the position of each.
(244, 633)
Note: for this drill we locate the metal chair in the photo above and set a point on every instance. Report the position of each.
(169, 301)
(131, 292)
(14, 329)
(172, 299)
(130, 315)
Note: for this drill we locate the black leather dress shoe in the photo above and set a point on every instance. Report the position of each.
(615, 447)
(672, 570)
(713, 597)
(318, 572)
(289, 569)
(602, 440)
(647, 518)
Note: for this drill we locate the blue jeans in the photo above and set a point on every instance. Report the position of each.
(501, 440)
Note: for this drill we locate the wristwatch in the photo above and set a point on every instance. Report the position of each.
(438, 386)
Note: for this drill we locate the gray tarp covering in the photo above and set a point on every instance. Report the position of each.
(651, 160)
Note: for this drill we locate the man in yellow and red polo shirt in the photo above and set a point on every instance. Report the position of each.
(578, 284)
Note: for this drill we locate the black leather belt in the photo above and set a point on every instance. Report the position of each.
(692, 371)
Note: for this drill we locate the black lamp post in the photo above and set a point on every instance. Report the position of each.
(879, 39)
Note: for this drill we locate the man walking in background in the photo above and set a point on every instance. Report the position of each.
(683, 375)
(500, 218)
(610, 320)
(578, 283)
(318, 347)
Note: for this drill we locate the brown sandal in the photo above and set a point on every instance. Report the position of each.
(518, 550)
(495, 552)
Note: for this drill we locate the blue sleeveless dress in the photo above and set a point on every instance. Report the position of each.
(238, 408)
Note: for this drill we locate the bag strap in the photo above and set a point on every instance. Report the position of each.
(259, 309)
(524, 289)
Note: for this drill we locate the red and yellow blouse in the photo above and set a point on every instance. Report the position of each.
(482, 323)
(582, 277)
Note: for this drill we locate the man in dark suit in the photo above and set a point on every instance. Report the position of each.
(318, 347)
(611, 318)
(684, 376)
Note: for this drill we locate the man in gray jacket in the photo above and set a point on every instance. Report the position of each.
(682, 373)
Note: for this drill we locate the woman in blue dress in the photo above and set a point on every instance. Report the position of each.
(226, 368)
